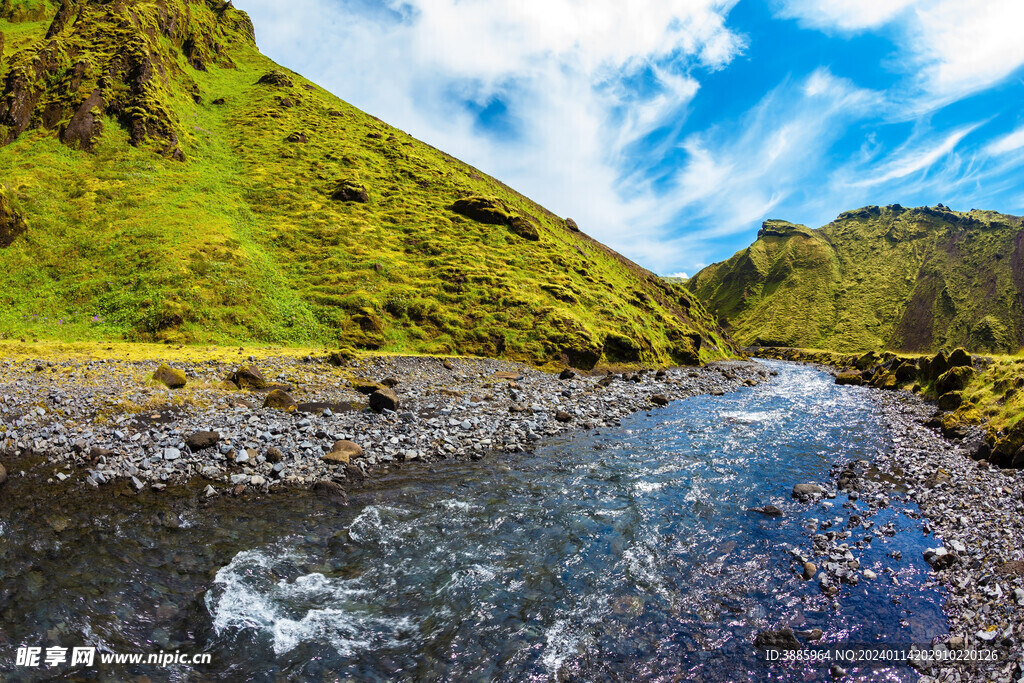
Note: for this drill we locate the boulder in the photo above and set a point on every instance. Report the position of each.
(767, 510)
(809, 571)
(275, 79)
(1005, 449)
(849, 379)
(659, 400)
(807, 492)
(867, 360)
(331, 491)
(390, 382)
(937, 365)
(960, 359)
(482, 209)
(384, 399)
(570, 224)
(1018, 459)
(274, 455)
(366, 386)
(523, 227)
(280, 400)
(939, 558)
(172, 378)
(906, 371)
(349, 191)
(563, 416)
(783, 639)
(249, 377)
(343, 452)
(201, 440)
(342, 356)
(566, 374)
(951, 400)
(955, 379)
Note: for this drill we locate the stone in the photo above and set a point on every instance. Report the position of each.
(239, 479)
(171, 454)
(939, 558)
(783, 639)
(563, 416)
(767, 510)
(201, 440)
(870, 575)
(570, 225)
(954, 379)
(172, 378)
(384, 399)
(366, 386)
(331, 491)
(566, 374)
(350, 191)
(274, 454)
(811, 634)
(249, 377)
(275, 79)
(659, 400)
(280, 400)
(951, 400)
(482, 209)
(960, 358)
(343, 451)
(807, 492)
(390, 382)
(849, 379)
(524, 227)
(810, 570)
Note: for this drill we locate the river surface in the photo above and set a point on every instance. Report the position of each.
(621, 554)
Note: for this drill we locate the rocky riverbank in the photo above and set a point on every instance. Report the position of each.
(321, 422)
(974, 511)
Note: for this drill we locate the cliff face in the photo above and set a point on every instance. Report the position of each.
(907, 279)
(160, 179)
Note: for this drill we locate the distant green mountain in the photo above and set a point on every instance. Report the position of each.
(906, 279)
(160, 179)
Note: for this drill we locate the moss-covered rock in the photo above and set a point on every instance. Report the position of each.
(349, 191)
(483, 209)
(960, 358)
(955, 379)
(951, 400)
(172, 378)
(850, 378)
(249, 377)
(279, 399)
(523, 227)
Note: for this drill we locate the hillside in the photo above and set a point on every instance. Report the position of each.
(162, 180)
(905, 279)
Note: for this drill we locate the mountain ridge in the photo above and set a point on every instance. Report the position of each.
(915, 280)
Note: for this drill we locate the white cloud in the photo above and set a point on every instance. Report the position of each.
(915, 159)
(735, 178)
(568, 72)
(949, 48)
(1007, 143)
(844, 15)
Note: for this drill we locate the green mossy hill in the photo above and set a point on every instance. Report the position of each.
(161, 180)
(981, 399)
(904, 279)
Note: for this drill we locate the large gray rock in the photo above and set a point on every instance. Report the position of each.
(384, 399)
(807, 492)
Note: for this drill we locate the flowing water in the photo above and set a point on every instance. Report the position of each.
(626, 553)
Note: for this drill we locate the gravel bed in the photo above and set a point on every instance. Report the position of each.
(974, 514)
(108, 423)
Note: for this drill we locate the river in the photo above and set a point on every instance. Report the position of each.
(626, 553)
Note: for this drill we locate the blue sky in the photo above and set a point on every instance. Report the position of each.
(669, 129)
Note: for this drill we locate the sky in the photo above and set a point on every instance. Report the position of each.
(670, 129)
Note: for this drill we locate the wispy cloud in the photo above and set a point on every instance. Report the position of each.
(1008, 143)
(914, 159)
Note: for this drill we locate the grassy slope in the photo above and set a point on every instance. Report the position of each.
(241, 240)
(913, 280)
